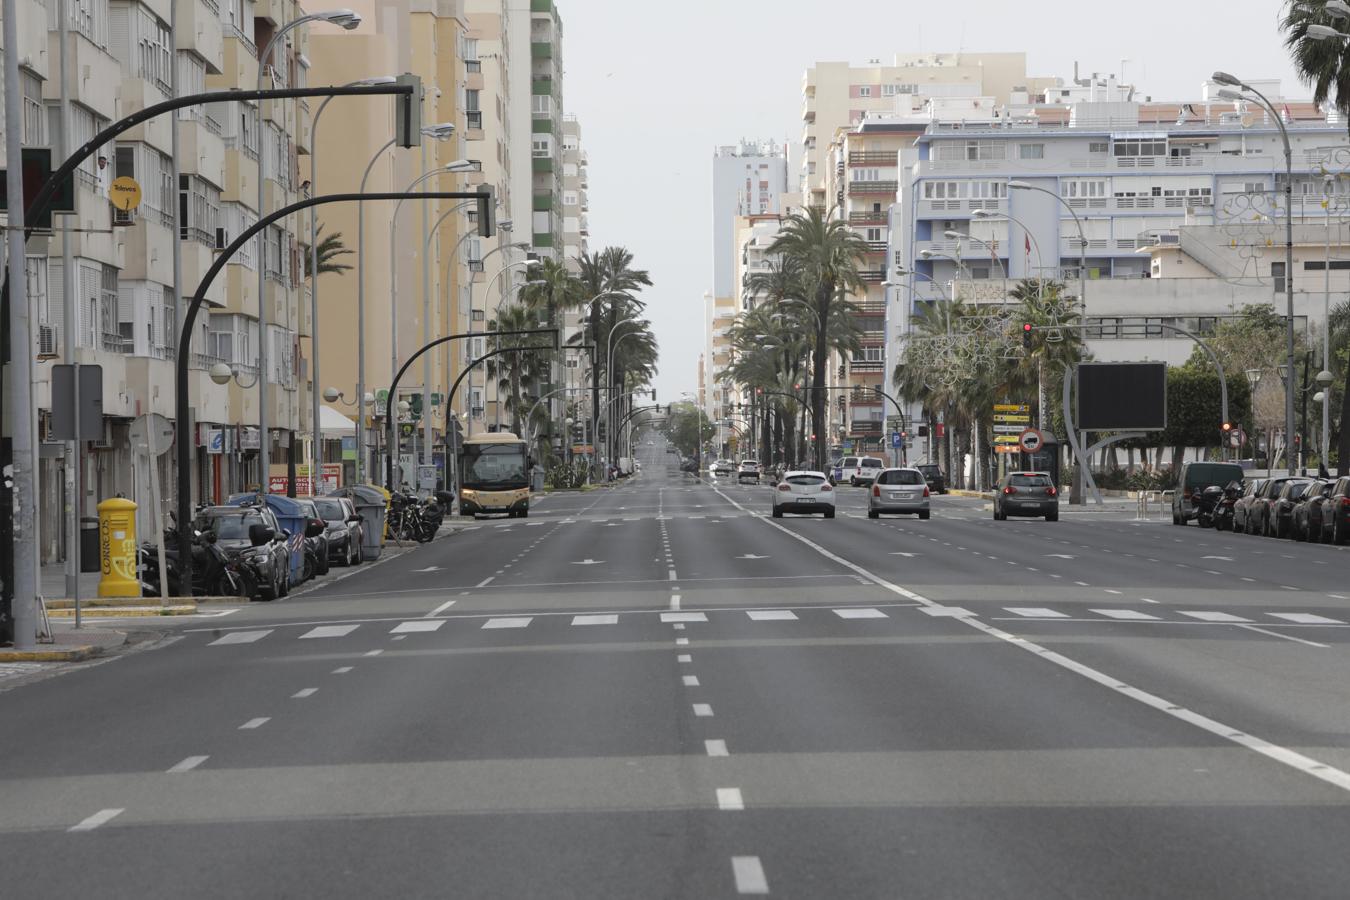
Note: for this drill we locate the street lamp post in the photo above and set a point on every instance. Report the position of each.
(1243, 89)
(518, 245)
(348, 20)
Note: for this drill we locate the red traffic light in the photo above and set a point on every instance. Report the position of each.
(1227, 426)
(1026, 326)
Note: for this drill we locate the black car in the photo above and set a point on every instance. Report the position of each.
(1280, 515)
(343, 530)
(1307, 519)
(937, 482)
(253, 534)
(1258, 511)
(1242, 510)
(1336, 513)
(316, 539)
(1026, 494)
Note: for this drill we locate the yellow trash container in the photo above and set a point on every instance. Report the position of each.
(117, 548)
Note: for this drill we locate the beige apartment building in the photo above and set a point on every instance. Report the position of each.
(411, 297)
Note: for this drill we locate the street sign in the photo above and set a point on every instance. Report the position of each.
(1011, 408)
(1010, 439)
(1009, 429)
(1237, 438)
(1031, 440)
(897, 441)
(125, 193)
(1017, 419)
(63, 404)
(1007, 448)
(426, 477)
(154, 433)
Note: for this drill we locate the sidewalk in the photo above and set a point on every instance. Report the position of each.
(69, 645)
(52, 582)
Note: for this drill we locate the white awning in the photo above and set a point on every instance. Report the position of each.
(334, 424)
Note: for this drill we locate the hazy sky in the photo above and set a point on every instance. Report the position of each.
(658, 86)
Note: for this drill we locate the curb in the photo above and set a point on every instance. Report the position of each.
(88, 603)
(72, 654)
(126, 612)
(976, 495)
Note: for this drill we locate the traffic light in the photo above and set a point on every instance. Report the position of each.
(415, 407)
(1227, 427)
(1026, 335)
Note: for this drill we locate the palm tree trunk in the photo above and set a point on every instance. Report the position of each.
(819, 355)
(1343, 444)
(515, 401)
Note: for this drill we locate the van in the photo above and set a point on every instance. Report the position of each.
(866, 472)
(843, 468)
(1194, 478)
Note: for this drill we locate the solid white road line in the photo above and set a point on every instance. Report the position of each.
(703, 710)
(329, 631)
(240, 637)
(771, 615)
(1035, 612)
(440, 609)
(683, 617)
(509, 622)
(255, 723)
(749, 875)
(1299, 762)
(188, 764)
(860, 613)
(303, 693)
(1306, 619)
(1129, 615)
(730, 799)
(372, 653)
(342, 670)
(716, 748)
(415, 627)
(486, 581)
(690, 681)
(97, 819)
(1286, 637)
(1205, 616)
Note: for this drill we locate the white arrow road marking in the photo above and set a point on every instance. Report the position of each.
(588, 562)
(753, 556)
(1059, 556)
(428, 569)
(905, 555)
(1224, 558)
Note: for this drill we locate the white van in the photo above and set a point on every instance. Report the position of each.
(865, 472)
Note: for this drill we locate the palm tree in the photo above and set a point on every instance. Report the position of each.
(1321, 64)
(827, 253)
(524, 369)
(1340, 357)
(328, 250)
(1041, 303)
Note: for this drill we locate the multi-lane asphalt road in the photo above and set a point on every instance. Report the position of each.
(658, 691)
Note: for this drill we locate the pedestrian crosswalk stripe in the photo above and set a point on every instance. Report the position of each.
(595, 620)
(683, 617)
(860, 614)
(1126, 615)
(1205, 616)
(510, 622)
(1306, 619)
(1035, 612)
(420, 625)
(240, 637)
(329, 631)
(771, 615)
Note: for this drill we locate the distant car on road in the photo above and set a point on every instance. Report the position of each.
(902, 491)
(1192, 481)
(723, 468)
(865, 472)
(748, 471)
(932, 474)
(803, 491)
(1026, 494)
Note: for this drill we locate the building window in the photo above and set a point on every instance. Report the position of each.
(198, 210)
(1277, 275)
(1084, 190)
(865, 90)
(1140, 147)
(191, 80)
(874, 235)
(1099, 147)
(541, 105)
(1318, 265)
(1031, 151)
(541, 145)
(33, 132)
(866, 174)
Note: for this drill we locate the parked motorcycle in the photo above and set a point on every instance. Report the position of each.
(1207, 505)
(1224, 511)
(411, 520)
(214, 572)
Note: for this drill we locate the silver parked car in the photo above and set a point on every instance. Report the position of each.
(898, 491)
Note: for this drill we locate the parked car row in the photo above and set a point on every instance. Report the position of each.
(1297, 507)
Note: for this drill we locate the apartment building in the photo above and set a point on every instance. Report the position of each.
(838, 94)
(1180, 205)
(541, 127)
(411, 259)
(749, 179)
(114, 270)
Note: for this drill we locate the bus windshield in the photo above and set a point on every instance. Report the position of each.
(494, 467)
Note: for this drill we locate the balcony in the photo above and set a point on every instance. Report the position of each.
(874, 158)
(873, 187)
(543, 202)
(543, 85)
(874, 217)
(877, 246)
(541, 6)
(872, 276)
(541, 164)
(541, 50)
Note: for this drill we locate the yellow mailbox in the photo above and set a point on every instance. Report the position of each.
(117, 548)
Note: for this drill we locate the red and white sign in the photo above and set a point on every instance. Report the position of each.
(1031, 440)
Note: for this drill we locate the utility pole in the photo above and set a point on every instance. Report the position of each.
(19, 623)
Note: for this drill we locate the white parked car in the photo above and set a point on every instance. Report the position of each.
(748, 471)
(805, 492)
(723, 467)
(865, 472)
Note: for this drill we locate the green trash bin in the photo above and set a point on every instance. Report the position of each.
(371, 505)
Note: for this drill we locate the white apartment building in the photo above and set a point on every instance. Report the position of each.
(1180, 205)
(748, 180)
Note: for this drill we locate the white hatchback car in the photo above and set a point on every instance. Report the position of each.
(866, 472)
(805, 492)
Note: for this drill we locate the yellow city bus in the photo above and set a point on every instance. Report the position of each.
(494, 475)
